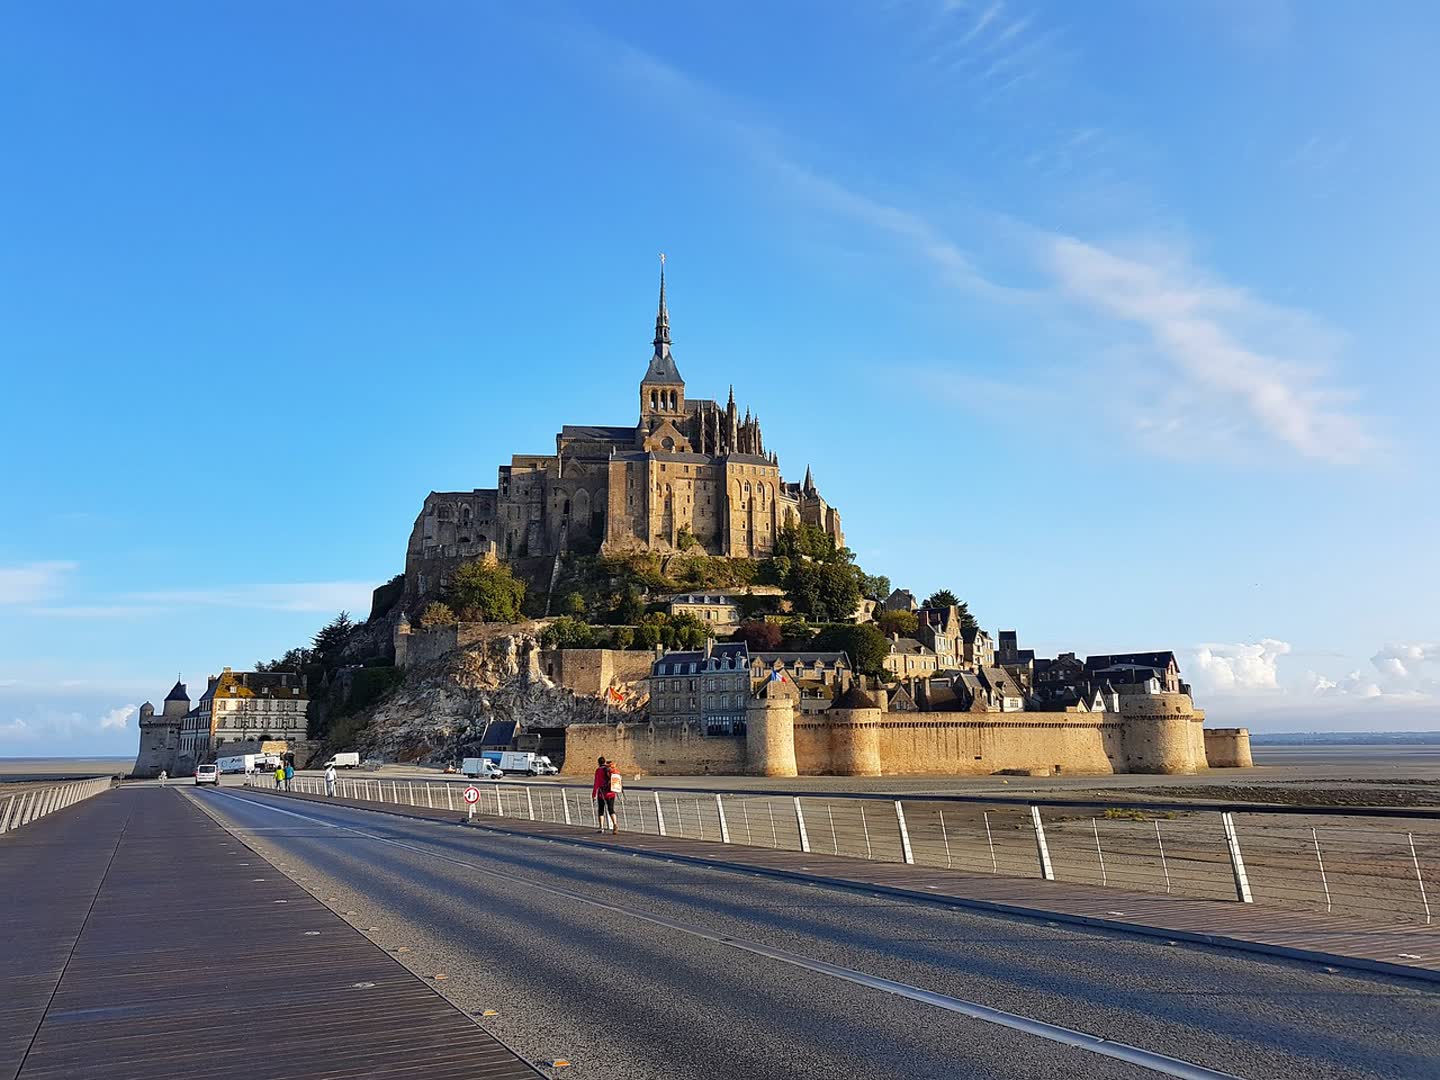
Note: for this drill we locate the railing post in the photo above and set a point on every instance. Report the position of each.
(800, 822)
(1237, 864)
(659, 815)
(724, 826)
(530, 803)
(904, 833)
(1046, 870)
(429, 800)
(5, 814)
(565, 802)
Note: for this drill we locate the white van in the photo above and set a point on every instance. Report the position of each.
(481, 768)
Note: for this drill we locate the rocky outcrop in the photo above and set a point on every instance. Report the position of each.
(440, 711)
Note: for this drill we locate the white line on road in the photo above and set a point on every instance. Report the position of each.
(1094, 1044)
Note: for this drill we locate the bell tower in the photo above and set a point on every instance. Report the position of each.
(662, 391)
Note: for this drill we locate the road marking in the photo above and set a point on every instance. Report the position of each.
(1081, 1040)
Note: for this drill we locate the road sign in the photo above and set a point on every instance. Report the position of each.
(472, 794)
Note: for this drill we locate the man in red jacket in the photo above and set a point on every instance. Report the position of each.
(604, 797)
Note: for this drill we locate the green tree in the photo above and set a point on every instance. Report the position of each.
(624, 637)
(329, 642)
(629, 609)
(941, 598)
(437, 613)
(685, 539)
(839, 592)
(864, 644)
(489, 590)
(567, 632)
(874, 586)
(903, 623)
(573, 604)
(648, 635)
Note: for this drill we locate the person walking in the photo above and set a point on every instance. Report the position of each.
(289, 775)
(163, 777)
(330, 780)
(279, 777)
(603, 792)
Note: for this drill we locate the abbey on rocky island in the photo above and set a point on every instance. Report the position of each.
(689, 472)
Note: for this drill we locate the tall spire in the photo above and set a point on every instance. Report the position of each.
(809, 484)
(662, 317)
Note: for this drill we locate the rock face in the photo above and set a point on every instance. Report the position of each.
(439, 713)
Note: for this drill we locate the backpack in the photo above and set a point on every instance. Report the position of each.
(616, 785)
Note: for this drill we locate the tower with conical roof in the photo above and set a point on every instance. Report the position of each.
(160, 734)
(662, 390)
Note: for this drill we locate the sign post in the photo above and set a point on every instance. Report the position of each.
(472, 796)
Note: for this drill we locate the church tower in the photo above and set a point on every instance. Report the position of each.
(662, 391)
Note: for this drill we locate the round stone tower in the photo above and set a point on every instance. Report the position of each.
(770, 728)
(854, 734)
(1156, 733)
(160, 735)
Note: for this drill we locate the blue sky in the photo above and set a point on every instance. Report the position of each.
(1118, 321)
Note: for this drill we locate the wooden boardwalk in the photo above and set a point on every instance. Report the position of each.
(1408, 949)
(143, 940)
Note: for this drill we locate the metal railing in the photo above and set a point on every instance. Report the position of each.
(1379, 862)
(35, 801)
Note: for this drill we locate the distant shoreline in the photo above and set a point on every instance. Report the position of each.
(1345, 738)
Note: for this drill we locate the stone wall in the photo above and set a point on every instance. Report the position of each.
(1228, 748)
(658, 749)
(963, 744)
(592, 671)
(419, 646)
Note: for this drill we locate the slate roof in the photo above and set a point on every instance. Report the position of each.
(177, 693)
(909, 647)
(1160, 660)
(737, 652)
(662, 368)
(855, 698)
(600, 432)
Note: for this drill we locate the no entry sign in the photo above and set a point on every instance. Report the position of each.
(472, 794)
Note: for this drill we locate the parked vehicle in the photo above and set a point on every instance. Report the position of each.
(480, 768)
(247, 763)
(347, 760)
(207, 774)
(521, 761)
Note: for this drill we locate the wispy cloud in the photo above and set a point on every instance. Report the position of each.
(1244, 667)
(1222, 343)
(29, 583)
(1209, 365)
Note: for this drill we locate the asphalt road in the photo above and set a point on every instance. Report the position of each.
(633, 967)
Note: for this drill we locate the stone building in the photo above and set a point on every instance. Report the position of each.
(242, 707)
(160, 734)
(689, 473)
(708, 688)
(909, 658)
(716, 611)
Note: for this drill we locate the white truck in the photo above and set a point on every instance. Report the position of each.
(248, 763)
(481, 768)
(521, 761)
(347, 760)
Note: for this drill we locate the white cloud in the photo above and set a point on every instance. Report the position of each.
(31, 582)
(1228, 349)
(1218, 371)
(117, 717)
(1352, 685)
(1240, 667)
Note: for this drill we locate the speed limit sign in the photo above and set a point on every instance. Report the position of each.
(472, 794)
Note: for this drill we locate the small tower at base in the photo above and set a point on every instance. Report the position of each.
(1156, 733)
(854, 734)
(770, 728)
(160, 735)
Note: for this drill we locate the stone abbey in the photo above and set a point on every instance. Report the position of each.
(689, 471)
